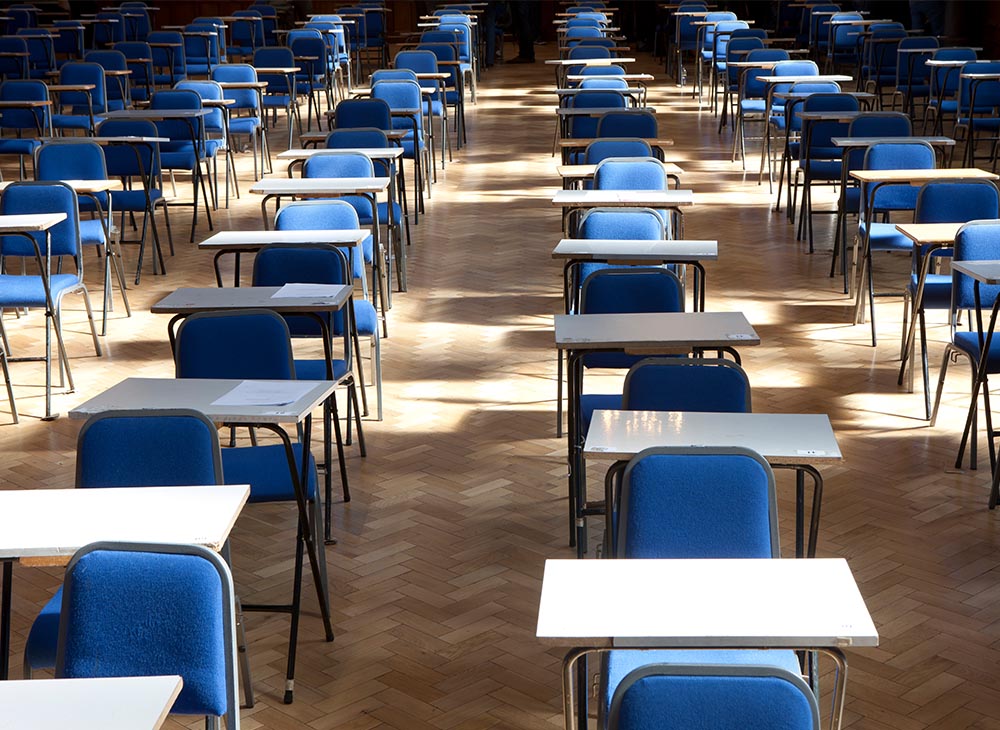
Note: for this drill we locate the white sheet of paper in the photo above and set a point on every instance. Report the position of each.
(300, 291)
(264, 393)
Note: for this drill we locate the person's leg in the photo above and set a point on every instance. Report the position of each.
(490, 33)
(522, 11)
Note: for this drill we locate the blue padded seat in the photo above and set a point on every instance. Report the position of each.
(27, 291)
(265, 468)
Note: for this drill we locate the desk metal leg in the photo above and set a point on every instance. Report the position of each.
(801, 470)
(985, 343)
(5, 599)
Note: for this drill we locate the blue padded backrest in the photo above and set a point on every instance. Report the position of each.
(628, 123)
(601, 149)
(357, 137)
(585, 126)
(876, 124)
(623, 224)
(136, 613)
(987, 92)
(363, 113)
(957, 201)
(279, 264)
(244, 345)
(698, 505)
(582, 52)
(130, 160)
(793, 68)
(418, 61)
(48, 197)
(945, 80)
(177, 130)
(720, 698)
(84, 72)
(305, 215)
(630, 174)
(897, 156)
(154, 449)
(682, 384)
(239, 72)
(342, 164)
(394, 74)
(628, 291)
(976, 241)
(70, 161)
(604, 82)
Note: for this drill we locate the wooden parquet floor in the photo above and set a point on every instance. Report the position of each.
(462, 497)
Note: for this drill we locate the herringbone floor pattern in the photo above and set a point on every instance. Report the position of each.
(436, 575)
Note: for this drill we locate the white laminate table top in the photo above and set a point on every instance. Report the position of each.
(107, 703)
(751, 603)
(296, 403)
(632, 198)
(653, 332)
(319, 185)
(599, 249)
(781, 438)
(189, 300)
(256, 239)
(49, 525)
(29, 222)
(583, 171)
(588, 61)
(374, 152)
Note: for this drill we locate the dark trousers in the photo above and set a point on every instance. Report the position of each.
(525, 15)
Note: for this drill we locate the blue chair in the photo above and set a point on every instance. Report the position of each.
(751, 103)
(868, 124)
(406, 103)
(269, 19)
(700, 693)
(202, 46)
(944, 83)
(819, 158)
(878, 69)
(169, 61)
(721, 35)
(434, 106)
(665, 509)
(67, 40)
(341, 215)
(912, 72)
(117, 87)
(246, 35)
(56, 161)
(139, 60)
(975, 241)
(737, 49)
(346, 164)
(603, 148)
(246, 114)
(13, 58)
(337, 54)
(977, 116)
(187, 147)
(454, 93)
(85, 107)
(628, 123)
(313, 78)
(706, 47)
(28, 124)
(133, 609)
(354, 138)
(280, 264)
(638, 174)
(618, 291)
(138, 166)
(109, 29)
(281, 90)
(943, 201)
(215, 126)
(776, 117)
(131, 449)
(255, 344)
(41, 52)
(44, 290)
(877, 200)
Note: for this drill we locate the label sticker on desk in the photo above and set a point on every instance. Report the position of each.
(810, 452)
(739, 336)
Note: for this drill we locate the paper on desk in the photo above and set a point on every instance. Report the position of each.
(264, 393)
(298, 291)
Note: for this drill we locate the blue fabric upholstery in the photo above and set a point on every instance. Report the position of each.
(718, 701)
(620, 663)
(681, 384)
(327, 215)
(27, 291)
(138, 613)
(697, 506)
(231, 345)
(265, 469)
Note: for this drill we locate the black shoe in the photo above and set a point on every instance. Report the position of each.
(521, 59)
